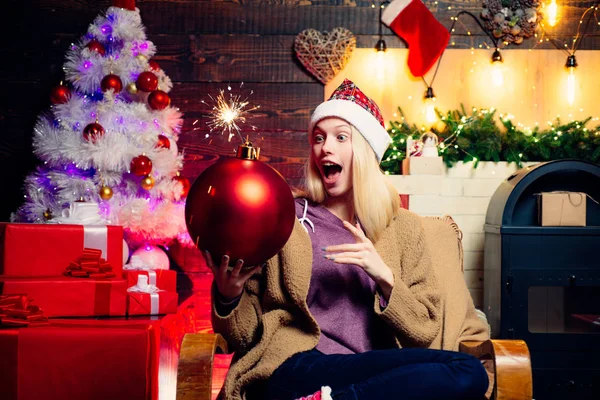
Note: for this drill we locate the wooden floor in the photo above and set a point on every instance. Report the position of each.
(201, 283)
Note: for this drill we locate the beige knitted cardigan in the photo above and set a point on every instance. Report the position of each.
(272, 321)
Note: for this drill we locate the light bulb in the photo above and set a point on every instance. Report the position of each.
(429, 107)
(552, 12)
(497, 74)
(381, 49)
(571, 65)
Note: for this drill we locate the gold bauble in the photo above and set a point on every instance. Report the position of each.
(47, 214)
(147, 183)
(142, 57)
(132, 88)
(106, 193)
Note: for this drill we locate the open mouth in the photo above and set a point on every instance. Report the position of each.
(331, 172)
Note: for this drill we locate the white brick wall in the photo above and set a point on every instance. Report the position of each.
(464, 193)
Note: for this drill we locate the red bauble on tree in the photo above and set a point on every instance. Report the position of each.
(154, 65)
(93, 131)
(126, 4)
(96, 46)
(185, 185)
(147, 81)
(141, 165)
(240, 207)
(158, 100)
(113, 82)
(60, 94)
(163, 142)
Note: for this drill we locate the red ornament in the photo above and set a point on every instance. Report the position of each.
(93, 131)
(113, 82)
(141, 165)
(126, 4)
(242, 208)
(185, 183)
(96, 46)
(60, 94)
(154, 65)
(163, 142)
(158, 100)
(147, 81)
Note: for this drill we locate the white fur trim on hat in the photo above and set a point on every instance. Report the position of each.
(363, 120)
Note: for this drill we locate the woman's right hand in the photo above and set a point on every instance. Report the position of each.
(230, 283)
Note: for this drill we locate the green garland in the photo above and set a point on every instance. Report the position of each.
(477, 136)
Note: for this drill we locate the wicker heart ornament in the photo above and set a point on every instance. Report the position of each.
(324, 54)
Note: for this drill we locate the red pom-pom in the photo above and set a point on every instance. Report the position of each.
(113, 82)
(96, 46)
(93, 131)
(163, 142)
(159, 100)
(147, 81)
(60, 94)
(185, 183)
(141, 166)
(154, 65)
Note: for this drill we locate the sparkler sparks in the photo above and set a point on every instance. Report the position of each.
(228, 112)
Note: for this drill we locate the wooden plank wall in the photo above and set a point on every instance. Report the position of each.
(203, 46)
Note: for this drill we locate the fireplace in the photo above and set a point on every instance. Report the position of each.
(542, 284)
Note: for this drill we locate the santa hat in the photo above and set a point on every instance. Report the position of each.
(349, 103)
(425, 36)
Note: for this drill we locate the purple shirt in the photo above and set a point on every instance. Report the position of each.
(340, 296)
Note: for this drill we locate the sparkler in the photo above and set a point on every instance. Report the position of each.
(228, 112)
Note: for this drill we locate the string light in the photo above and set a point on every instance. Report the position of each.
(570, 65)
(497, 74)
(429, 107)
(381, 46)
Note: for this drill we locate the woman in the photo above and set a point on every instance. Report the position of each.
(353, 285)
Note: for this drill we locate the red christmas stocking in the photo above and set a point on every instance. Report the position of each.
(425, 36)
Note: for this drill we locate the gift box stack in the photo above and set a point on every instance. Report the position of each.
(150, 291)
(77, 271)
(70, 270)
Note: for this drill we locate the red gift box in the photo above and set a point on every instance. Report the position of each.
(47, 249)
(71, 297)
(164, 279)
(151, 304)
(91, 360)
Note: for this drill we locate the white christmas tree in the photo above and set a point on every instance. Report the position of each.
(110, 138)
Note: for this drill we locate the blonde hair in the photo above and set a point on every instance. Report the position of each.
(375, 199)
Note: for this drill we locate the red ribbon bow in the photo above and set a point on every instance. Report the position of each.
(17, 310)
(90, 265)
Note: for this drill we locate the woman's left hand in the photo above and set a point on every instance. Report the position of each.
(363, 254)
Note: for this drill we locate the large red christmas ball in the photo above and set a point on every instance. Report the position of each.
(141, 165)
(96, 46)
(147, 81)
(242, 208)
(113, 82)
(158, 100)
(60, 94)
(93, 131)
(185, 183)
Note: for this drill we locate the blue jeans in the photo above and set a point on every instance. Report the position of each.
(401, 374)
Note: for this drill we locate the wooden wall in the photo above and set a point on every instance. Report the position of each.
(203, 46)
